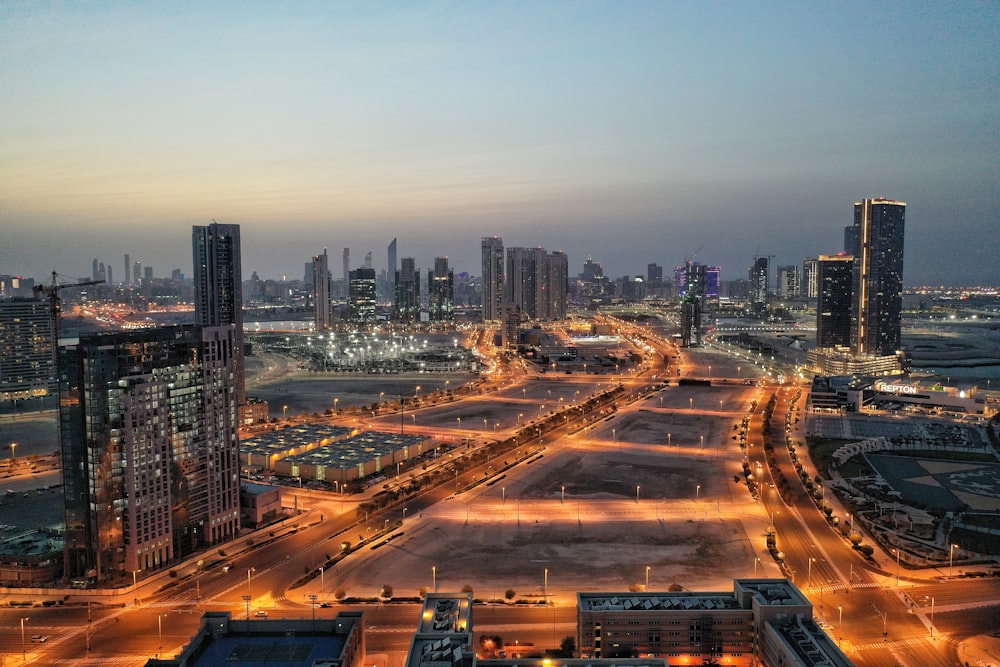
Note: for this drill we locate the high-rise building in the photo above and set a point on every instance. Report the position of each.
(27, 362)
(441, 291)
(407, 308)
(321, 292)
(147, 274)
(218, 286)
(833, 306)
(876, 311)
(788, 282)
(392, 258)
(96, 271)
(150, 451)
(493, 283)
(128, 271)
(759, 278)
(137, 273)
(536, 283)
(347, 266)
(362, 296)
(809, 287)
(553, 284)
(654, 274)
(368, 260)
(691, 309)
(850, 240)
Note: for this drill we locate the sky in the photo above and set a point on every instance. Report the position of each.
(633, 132)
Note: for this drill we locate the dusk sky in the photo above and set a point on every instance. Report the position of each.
(635, 132)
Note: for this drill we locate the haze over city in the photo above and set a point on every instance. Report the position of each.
(632, 132)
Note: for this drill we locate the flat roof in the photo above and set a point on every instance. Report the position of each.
(292, 437)
(270, 649)
(357, 449)
(665, 601)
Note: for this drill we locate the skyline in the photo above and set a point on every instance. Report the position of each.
(634, 133)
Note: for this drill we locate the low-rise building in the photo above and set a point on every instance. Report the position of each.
(760, 622)
(364, 454)
(223, 640)
(259, 503)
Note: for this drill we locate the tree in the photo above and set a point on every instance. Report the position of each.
(509, 594)
(386, 591)
(467, 588)
(567, 647)
(340, 594)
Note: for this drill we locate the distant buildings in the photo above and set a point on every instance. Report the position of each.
(362, 296)
(218, 287)
(441, 292)
(536, 283)
(407, 307)
(759, 278)
(493, 282)
(809, 287)
(788, 282)
(321, 283)
(149, 447)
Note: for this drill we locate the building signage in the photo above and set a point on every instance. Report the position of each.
(897, 388)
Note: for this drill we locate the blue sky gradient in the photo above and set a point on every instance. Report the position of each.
(635, 132)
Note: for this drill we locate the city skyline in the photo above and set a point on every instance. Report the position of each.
(632, 133)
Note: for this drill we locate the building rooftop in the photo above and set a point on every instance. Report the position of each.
(360, 448)
(292, 438)
(656, 601)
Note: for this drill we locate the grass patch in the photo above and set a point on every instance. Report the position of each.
(821, 452)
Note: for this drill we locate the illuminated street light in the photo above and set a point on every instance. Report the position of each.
(697, 492)
(13, 459)
(647, 578)
(636, 493)
(951, 561)
(24, 652)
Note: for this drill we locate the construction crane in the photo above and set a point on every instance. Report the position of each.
(52, 292)
(691, 257)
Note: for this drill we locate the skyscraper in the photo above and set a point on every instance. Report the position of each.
(128, 271)
(150, 452)
(876, 311)
(850, 240)
(362, 296)
(759, 275)
(536, 283)
(788, 282)
(218, 286)
(809, 287)
(321, 292)
(347, 266)
(407, 308)
(392, 259)
(441, 291)
(833, 306)
(493, 284)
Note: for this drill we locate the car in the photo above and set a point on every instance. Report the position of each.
(261, 613)
(225, 568)
(38, 639)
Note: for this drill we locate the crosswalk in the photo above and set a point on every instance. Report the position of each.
(903, 643)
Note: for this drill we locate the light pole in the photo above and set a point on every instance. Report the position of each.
(697, 492)
(24, 651)
(459, 423)
(701, 439)
(809, 583)
(159, 628)
(545, 586)
(284, 412)
(897, 567)
(434, 578)
(691, 403)
(563, 498)
(249, 572)
(404, 514)
(322, 578)
(13, 459)
(637, 493)
(647, 579)
(840, 617)
(668, 439)
(246, 600)
(951, 561)
(484, 426)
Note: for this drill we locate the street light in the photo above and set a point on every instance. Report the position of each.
(636, 493)
(647, 578)
(159, 628)
(897, 567)
(13, 459)
(404, 514)
(697, 492)
(668, 439)
(563, 499)
(810, 581)
(249, 572)
(24, 652)
(284, 412)
(951, 561)
(545, 586)
(691, 403)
